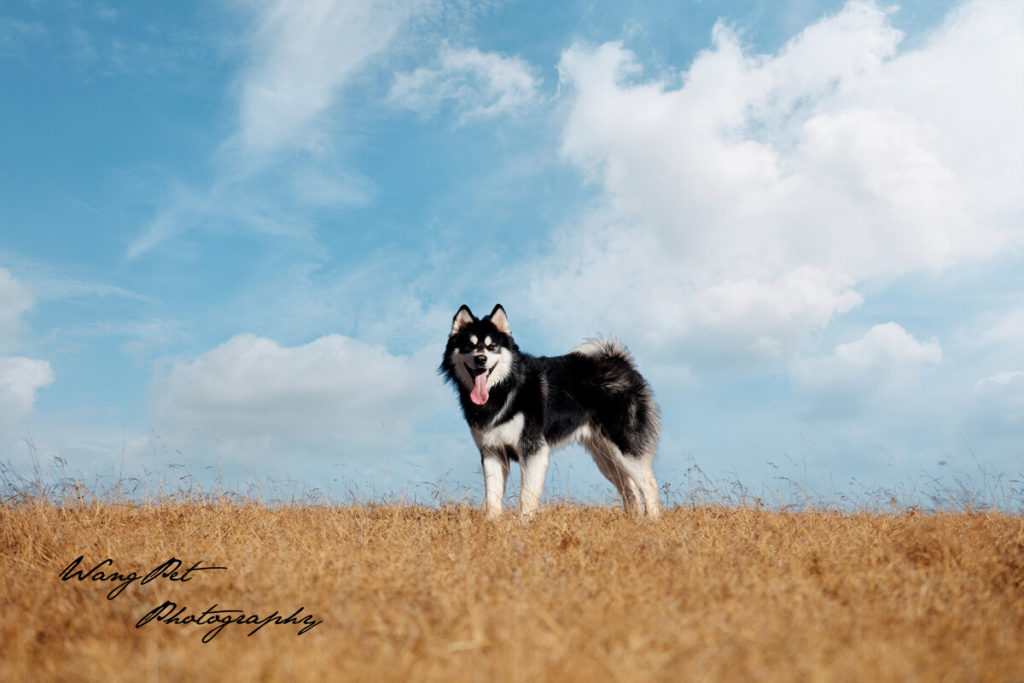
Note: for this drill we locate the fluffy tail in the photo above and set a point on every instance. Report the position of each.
(641, 422)
(605, 346)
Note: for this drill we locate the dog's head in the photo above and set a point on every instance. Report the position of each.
(480, 352)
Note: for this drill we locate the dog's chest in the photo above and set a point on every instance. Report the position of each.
(506, 433)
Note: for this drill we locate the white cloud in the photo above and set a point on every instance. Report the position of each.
(987, 346)
(616, 279)
(480, 85)
(1003, 331)
(1001, 379)
(884, 361)
(767, 319)
(15, 299)
(758, 193)
(20, 378)
(1000, 400)
(335, 395)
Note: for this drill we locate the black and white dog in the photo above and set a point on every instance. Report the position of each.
(520, 407)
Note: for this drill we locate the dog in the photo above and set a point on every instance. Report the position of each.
(521, 407)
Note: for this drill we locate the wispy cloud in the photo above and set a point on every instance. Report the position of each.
(17, 35)
(478, 85)
(301, 56)
(280, 159)
(274, 207)
(40, 280)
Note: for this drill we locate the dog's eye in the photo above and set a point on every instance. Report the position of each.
(491, 347)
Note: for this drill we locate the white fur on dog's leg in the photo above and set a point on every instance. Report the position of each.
(642, 475)
(631, 496)
(600, 450)
(534, 470)
(495, 475)
(648, 485)
(650, 492)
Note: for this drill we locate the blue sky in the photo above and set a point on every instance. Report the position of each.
(233, 235)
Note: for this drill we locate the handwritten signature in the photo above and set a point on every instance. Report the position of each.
(170, 612)
(168, 570)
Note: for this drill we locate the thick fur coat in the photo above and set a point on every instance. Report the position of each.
(520, 407)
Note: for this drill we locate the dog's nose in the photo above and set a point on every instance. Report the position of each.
(481, 360)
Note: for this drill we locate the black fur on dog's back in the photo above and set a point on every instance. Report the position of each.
(565, 392)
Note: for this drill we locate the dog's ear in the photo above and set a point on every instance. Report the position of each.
(499, 319)
(461, 319)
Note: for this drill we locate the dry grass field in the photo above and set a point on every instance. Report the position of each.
(402, 592)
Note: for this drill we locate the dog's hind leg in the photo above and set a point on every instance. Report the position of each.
(604, 454)
(630, 494)
(534, 469)
(649, 488)
(632, 475)
(640, 471)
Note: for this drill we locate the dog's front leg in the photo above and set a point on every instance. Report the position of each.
(495, 475)
(534, 469)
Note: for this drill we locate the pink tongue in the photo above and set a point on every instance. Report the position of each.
(479, 393)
